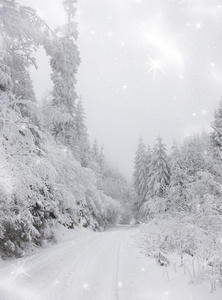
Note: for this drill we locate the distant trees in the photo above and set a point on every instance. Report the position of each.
(113, 183)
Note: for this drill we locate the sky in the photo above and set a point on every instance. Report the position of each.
(148, 68)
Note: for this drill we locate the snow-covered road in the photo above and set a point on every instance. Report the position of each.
(95, 266)
(88, 266)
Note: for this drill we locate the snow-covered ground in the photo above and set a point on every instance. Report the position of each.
(85, 265)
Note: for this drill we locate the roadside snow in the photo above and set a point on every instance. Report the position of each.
(85, 265)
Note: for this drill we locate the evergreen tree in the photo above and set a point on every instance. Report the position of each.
(95, 151)
(193, 152)
(160, 170)
(140, 172)
(177, 188)
(101, 159)
(217, 126)
(149, 171)
(94, 159)
(82, 146)
(216, 135)
(175, 154)
(64, 63)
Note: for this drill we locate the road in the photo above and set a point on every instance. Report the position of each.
(86, 265)
(94, 266)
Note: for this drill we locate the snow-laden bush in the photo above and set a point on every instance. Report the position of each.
(197, 234)
(153, 207)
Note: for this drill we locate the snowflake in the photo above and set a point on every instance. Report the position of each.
(204, 112)
(85, 285)
(198, 25)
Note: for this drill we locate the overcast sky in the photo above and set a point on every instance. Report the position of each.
(149, 67)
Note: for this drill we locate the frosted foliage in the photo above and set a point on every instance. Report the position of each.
(192, 235)
(153, 207)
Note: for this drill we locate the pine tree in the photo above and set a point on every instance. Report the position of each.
(82, 142)
(160, 170)
(101, 159)
(95, 151)
(216, 135)
(193, 152)
(177, 188)
(175, 154)
(140, 172)
(175, 165)
(148, 169)
(64, 63)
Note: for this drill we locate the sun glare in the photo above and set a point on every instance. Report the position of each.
(165, 46)
(155, 65)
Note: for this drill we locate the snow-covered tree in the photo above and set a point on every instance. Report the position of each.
(140, 175)
(95, 151)
(178, 179)
(101, 159)
(64, 62)
(94, 158)
(81, 147)
(160, 170)
(26, 205)
(193, 152)
(216, 135)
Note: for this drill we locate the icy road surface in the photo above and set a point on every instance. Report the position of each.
(96, 266)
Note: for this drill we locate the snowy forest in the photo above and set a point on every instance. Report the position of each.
(50, 173)
(179, 198)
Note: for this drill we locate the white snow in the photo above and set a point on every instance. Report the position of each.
(87, 265)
